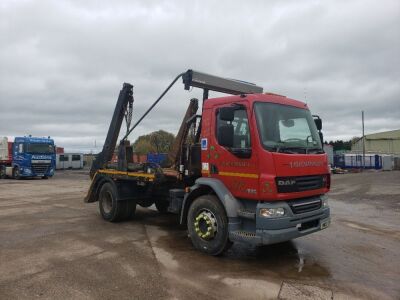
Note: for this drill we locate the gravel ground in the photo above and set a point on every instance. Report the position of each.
(54, 246)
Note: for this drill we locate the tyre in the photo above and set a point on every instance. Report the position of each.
(2, 172)
(208, 225)
(16, 173)
(162, 206)
(114, 210)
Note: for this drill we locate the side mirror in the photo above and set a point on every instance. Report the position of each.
(225, 135)
(226, 113)
(318, 123)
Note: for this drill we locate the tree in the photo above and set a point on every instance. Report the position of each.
(156, 142)
(341, 145)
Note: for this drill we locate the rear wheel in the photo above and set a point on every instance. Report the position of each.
(208, 225)
(114, 210)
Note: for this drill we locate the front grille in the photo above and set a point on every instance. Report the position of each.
(299, 183)
(305, 205)
(306, 183)
(40, 168)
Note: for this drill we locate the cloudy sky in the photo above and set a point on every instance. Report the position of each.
(62, 63)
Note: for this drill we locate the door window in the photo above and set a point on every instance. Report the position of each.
(76, 157)
(241, 132)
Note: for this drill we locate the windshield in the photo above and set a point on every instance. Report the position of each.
(39, 148)
(288, 129)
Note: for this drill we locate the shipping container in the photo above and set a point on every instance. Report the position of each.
(350, 160)
(158, 158)
(59, 150)
(387, 162)
(4, 149)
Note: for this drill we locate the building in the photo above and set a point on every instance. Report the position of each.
(387, 142)
(69, 161)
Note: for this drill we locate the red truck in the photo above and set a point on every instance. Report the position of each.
(250, 168)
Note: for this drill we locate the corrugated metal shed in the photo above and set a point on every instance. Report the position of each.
(387, 142)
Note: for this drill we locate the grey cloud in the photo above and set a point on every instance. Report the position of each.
(62, 63)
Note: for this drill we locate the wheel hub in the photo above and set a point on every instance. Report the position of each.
(107, 203)
(205, 225)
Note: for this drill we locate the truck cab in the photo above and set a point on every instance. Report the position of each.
(266, 150)
(32, 157)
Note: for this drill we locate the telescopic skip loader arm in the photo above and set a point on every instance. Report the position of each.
(124, 103)
(190, 79)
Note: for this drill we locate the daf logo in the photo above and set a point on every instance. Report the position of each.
(287, 182)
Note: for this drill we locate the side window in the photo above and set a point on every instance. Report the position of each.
(76, 157)
(241, 131)
(63, 158)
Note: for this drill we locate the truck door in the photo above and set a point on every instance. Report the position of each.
(18, 157)
(236, 166)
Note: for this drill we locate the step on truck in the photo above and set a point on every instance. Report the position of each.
(250, 168)
(27, 157)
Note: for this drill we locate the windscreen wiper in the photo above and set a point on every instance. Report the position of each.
(316, 149)
(283, 149)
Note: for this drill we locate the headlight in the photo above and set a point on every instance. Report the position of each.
(272, 212)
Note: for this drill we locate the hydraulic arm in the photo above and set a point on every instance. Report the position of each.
(123, 109)
(124, 105)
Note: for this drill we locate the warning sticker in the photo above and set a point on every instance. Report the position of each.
(204, 144)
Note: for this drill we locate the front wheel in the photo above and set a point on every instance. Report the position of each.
(16, 173)
(208, 225)
(114, 210)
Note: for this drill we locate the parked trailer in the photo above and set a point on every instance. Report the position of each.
(5, 151)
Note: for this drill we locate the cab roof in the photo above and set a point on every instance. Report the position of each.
(31, 139)
(251, 98)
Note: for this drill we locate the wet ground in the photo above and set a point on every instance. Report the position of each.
(52, 245)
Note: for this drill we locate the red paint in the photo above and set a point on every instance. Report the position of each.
(59, 150)
(10, 145)
(265, 165)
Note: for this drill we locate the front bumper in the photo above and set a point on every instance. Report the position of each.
(267, 237)
(264, 231)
